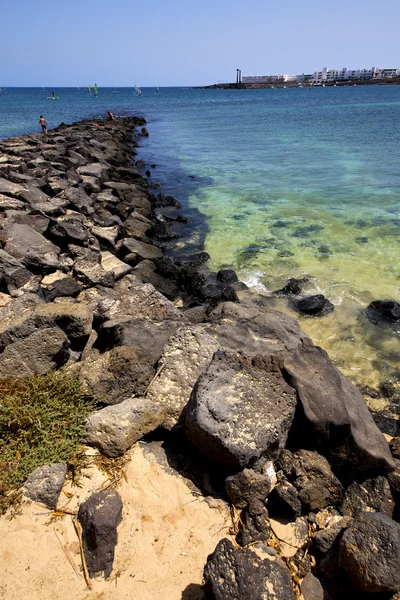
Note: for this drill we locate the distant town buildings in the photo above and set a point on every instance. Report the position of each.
(326, 76)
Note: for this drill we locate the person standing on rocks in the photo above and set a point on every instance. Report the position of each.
(43, 123)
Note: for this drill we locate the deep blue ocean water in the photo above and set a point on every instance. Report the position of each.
(278, 183)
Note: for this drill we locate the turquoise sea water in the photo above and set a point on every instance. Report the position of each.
(287, 183)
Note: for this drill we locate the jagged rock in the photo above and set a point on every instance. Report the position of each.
(137, 250)
(370, 553)
(107, 235)
(112, 264)
(247, 484)
(44, 350)
(45, 484)
(88, 268)
(168, 230)
(324, 540)
(318, 486)
(7, 203)
(227, 276)
(371, 495)
(114, 429)
(100, 516)
(115, 375)
(383, 310)
(238, 412)
(255, 525)
(91, 185)
(185, 357)
(311, 588)
(74, 319)
(217, 292)
(98, 170)
(31, 248)
(69, 231)
(147, 338)
(395, 447)
(145, 272)
(283, 502)
(79, 200)
(38, 222)
(73, 176)
(129, 300)
(253, 573)
(10, 188)
(58, 285)
(334, 416)
(312, 305)
(14, 275)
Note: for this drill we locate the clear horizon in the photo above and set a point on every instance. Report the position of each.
(178, 45)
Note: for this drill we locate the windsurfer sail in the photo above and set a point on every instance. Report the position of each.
(158, 90)
(89, 89)
(138, 90)
(95, 89)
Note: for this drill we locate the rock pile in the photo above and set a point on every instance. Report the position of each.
(164, 343)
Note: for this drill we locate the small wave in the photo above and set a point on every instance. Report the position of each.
(253, 281)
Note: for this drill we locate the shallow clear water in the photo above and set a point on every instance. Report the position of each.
(287, 183)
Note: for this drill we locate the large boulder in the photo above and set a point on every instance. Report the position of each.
(185, 357)
(31, 248)
(334, 416)
(147, 338)
(99, 517)
(114, 429)
(253, 573)
(44, 350)
(115, 375)
(239, 412)
(370, 553)
(371, 495)
(130, 300)
(74, 319)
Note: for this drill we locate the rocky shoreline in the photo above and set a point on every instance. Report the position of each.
(168, 350)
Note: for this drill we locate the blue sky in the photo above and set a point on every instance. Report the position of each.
(182, 42)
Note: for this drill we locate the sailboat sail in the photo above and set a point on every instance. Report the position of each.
(89, 89)
(95, 89)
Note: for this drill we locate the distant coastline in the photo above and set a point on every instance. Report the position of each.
(295, 84)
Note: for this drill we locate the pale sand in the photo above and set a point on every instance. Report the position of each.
(164, 538)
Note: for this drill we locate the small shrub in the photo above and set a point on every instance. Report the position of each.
(41, 421)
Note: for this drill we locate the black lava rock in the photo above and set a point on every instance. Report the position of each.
(99, 517)
(383, 310)
(227, 276)
(312, 305)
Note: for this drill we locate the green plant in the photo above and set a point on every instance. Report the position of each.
(41, 421)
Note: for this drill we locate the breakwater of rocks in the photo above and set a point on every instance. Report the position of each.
(165, 346)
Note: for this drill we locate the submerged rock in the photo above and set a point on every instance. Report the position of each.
(312, 305)
(383, 310)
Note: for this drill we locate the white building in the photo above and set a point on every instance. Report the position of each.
(329, 75)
